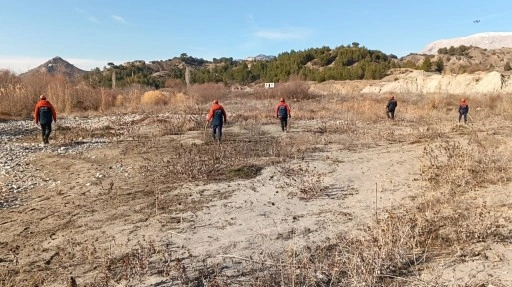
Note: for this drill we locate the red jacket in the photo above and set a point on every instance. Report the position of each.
(463, 107)
(44, 103)
(218, 114)
(286, 106)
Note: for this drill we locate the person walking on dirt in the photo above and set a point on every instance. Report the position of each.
(44, 115)
(283, 112)
(390, 108)
(463, 111)
(218, 117)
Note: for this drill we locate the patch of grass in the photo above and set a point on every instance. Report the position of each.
(244, 172)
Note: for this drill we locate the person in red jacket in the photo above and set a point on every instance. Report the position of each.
(463, 111)
(44, 115)
(218, 117)
(283, 112)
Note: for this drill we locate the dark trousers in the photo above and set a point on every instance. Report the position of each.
(465, 115)
(217, 129)
(284, 123)
(390, 114)
(46, 129)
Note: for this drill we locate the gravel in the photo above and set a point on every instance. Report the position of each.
(18, 177)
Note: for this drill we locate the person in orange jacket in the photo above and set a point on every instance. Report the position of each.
(391, 107)
(463, 111)
(218, 117)
(44, 115)
(283, 112)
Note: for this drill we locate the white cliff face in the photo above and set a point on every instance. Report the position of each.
(419, 82)
(488, 40)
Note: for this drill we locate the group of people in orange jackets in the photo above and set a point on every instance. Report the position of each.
(45, 115)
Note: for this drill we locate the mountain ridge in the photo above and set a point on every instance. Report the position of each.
(56, 66)
(465, 55)
(486, 40)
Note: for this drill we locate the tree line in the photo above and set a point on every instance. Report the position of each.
(350, 62)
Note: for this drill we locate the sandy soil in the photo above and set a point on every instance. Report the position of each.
(107, 201)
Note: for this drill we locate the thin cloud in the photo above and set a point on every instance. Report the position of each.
(119, 19)
(94, 19)
(251, 20)
(284, 34)
(87, 15)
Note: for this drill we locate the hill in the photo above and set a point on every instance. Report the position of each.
(488, 40)
(57, 66)
(464, 59)
(351, 62)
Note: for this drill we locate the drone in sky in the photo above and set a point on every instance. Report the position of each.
(476, 21)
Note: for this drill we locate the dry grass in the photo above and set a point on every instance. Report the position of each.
(395, 249)
(401, 243)
(153, 98)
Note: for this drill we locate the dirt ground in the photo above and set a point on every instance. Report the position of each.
(133, 212)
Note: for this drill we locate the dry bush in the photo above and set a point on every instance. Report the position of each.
(294, 90)
(37, 84)
(85, 99)
(195, 162)
(17, 104)
(445, 103)
(65, 97)
(206, 93)
(119, 101)
(175, 85)
(464, 167)
(291, 91)
(185, 104)
(17, 101)
(347, 109)
(153, 98)
(308, 180)
(132, 98)
(244, 111)
(264, 94)
(179, 124)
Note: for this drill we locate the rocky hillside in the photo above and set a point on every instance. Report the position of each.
(489, 40)
(420, 82)
(57, 66)
(472, 60)
(409, 81)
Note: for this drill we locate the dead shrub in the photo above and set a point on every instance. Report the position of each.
(463, 167)
(265, 94)
(119, 101)
(179, 124)
(294, 90)
(443, 102)
(175, 85)
(185, 104)
(153, 98)
(206, 93)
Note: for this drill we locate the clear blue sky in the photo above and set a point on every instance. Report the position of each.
(91, 33)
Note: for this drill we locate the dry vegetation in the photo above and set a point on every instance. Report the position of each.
(397, 249)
